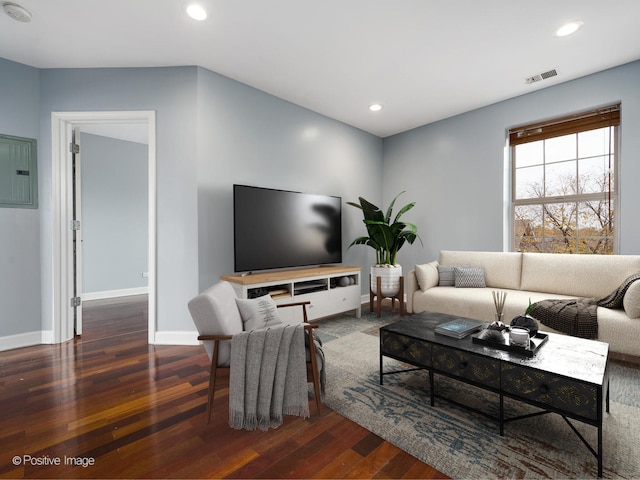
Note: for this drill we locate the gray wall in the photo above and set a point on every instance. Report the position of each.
(213, 132)
(19, 227)
(455, 169)
(114, 213)
(248, 137)
(171, 92)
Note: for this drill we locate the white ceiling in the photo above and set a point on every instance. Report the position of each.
(424, 60)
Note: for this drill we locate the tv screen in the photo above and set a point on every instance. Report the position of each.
(280, 229)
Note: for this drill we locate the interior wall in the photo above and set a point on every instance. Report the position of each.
(455, 169)
(171, 92)
(246, 136)
(20, 227)
(115, 239)
(213, 132)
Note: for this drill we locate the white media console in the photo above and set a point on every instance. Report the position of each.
(330, 289)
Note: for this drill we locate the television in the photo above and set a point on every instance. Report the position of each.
(281, 229)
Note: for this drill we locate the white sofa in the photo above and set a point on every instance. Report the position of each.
(535, 277)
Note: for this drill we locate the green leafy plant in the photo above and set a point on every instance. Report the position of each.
(530, 308)
(385, 236)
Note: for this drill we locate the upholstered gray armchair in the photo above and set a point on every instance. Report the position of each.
(217, 317)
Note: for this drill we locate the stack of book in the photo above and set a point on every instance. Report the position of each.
(459, 328)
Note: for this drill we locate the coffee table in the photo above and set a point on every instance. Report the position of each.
(567, 375)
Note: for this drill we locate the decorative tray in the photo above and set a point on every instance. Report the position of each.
(534, 343)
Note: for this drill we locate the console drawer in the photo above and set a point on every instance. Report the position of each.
(411, 350)
(464, 365)
(546, 389)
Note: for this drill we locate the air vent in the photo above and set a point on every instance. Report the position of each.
(541, 76)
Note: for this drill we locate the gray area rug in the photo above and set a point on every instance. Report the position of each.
(458, 442)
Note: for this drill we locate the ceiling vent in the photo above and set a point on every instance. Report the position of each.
(541, 76)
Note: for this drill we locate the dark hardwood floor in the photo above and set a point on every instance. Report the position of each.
(108, 405)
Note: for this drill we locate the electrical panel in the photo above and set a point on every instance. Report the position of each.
(18, 172)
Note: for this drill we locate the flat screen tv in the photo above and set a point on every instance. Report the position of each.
(281, 229)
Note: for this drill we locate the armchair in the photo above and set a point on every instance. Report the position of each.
(217, 318)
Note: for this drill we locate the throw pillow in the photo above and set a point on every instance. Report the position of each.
(257, 313)
(427, 275)
(447, 275)
(469, 277)
(631, 301)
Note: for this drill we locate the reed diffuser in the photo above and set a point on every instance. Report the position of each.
(498, 300)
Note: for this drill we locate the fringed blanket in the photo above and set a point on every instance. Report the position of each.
(268, 377)
(578, 317)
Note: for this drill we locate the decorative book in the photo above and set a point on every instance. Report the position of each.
(459, 328)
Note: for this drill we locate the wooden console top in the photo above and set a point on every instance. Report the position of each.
(277, 276)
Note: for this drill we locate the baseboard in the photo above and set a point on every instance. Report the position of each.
(126, 292)
(28, 339)
(176, 338)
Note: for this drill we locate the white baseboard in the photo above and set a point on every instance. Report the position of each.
(176, 338)
(126, 292)
(28, 339)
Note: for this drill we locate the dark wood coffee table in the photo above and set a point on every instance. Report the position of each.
(567, 375)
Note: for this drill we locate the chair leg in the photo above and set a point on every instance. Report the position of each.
(212, 380)
(316, 389)
(315, 374)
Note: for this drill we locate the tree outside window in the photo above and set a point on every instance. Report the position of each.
(564, 191)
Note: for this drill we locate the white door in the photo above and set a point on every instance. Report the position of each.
(76, 236)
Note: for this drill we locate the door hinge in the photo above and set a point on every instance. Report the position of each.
(76, 302)
(75, 225)
(74, 148)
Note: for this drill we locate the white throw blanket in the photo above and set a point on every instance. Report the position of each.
(268, 377)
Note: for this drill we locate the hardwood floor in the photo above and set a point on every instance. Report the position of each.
(108, 405)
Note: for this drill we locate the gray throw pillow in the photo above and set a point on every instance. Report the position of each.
(469, 277)
(446, 275)
(257, 313)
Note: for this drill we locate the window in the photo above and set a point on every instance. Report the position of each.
(563, 177)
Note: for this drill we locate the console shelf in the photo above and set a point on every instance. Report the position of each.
(330, 289)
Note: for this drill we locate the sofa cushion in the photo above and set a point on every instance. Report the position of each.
(631, 301)
(501, 269)
(591, 276)
(469, 277)
(427, 275)
(257, 313)
(447, 275)
(478, 303)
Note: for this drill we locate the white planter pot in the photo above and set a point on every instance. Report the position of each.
(389, 279)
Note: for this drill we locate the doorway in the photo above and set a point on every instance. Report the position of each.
(64, 257)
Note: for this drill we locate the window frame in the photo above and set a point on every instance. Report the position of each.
(573, 124)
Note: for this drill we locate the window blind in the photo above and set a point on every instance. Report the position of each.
(591, 120)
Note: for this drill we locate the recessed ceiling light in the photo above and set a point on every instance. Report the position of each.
(375, 107)
(568, 29)
(197, 12)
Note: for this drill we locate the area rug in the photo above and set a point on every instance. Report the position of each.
(459, 442)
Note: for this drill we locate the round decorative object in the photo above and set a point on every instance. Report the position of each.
(527, 322)
(389, 279)
(492, 335)
(344, 281)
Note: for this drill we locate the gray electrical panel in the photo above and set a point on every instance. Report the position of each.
(18, 172)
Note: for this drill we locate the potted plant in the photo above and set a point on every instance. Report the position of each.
(527, 320)
(386, 235)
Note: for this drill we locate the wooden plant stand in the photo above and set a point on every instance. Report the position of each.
(379, 297)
